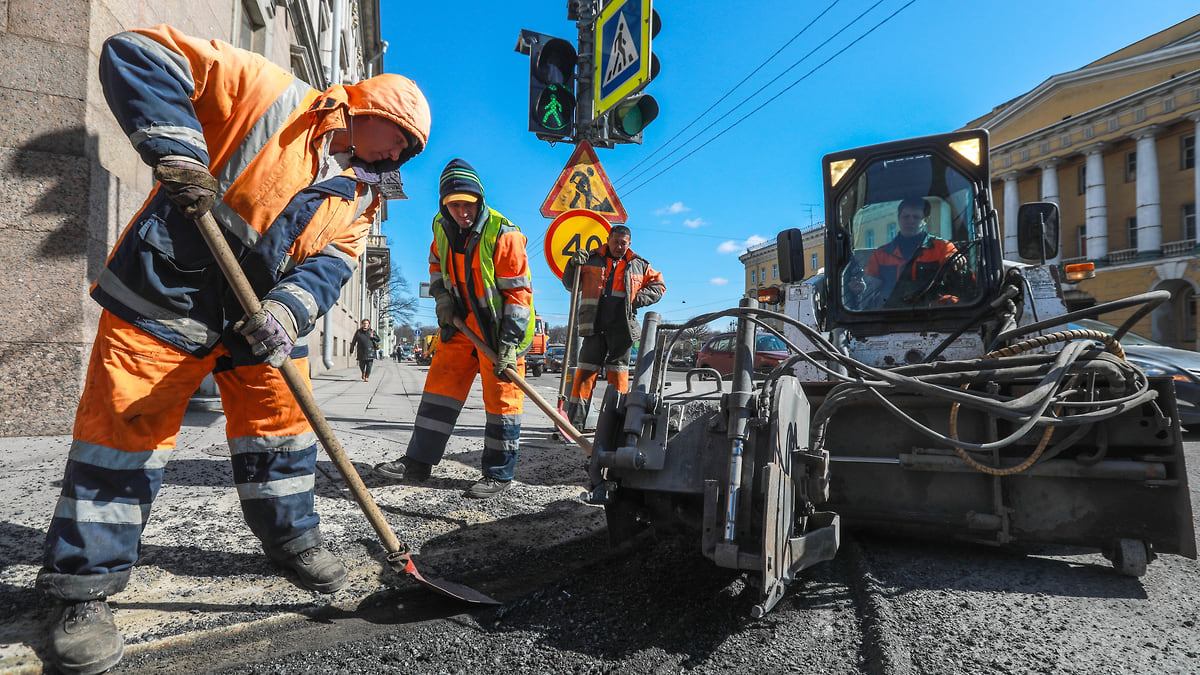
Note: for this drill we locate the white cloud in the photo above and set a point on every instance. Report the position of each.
(740, 246)
(718, 281)
(694, 222)
(677, 207)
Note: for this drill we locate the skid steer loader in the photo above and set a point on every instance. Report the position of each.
(933, 390)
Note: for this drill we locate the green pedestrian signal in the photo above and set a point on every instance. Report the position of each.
(551, 86)
(555, 108)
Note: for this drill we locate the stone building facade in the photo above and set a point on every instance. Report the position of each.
(69, 180)
(1114, 145)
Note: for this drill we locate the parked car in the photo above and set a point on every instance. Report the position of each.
(554, 358)
(1181, 365)
(717, 353)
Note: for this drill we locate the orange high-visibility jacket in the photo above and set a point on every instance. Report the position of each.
(633, 279)
(296, 220)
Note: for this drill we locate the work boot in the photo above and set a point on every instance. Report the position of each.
(487, 487)
(85, 638)
(318, 569)
(405, 468)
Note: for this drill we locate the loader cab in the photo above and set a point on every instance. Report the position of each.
(912, 240)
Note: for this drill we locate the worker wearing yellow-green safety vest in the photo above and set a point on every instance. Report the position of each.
(479, 272)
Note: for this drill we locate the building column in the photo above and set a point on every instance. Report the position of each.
(1050, 194)
(1097, 203)
(1149, 207)
(1196, 174)
(1012, 204)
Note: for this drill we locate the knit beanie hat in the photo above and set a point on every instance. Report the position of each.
(459, 177)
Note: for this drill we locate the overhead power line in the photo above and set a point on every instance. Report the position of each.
(728, 93)
(773, 98)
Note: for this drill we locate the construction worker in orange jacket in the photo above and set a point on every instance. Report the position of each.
(913, 256)
(614, 282)
(294, 177)
(478, 272)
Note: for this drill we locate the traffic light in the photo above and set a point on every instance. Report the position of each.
(626, 121)
(551, 87)
(628, 118)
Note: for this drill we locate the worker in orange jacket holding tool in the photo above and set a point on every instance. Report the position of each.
(478, 272)
(294, 177)
(614, 282)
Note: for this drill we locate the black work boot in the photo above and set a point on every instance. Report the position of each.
(487, 487)
(405, 468)
(318, 569)
(85, 638)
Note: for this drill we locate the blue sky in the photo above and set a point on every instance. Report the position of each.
(932, 67)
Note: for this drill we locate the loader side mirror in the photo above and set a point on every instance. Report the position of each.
(1037, 231)
(789, 246)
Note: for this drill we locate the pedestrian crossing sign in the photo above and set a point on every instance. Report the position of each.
(583, 184)
(622, 60)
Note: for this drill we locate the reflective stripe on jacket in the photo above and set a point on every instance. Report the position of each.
(642, 285)
(260, 130)
(498, 285)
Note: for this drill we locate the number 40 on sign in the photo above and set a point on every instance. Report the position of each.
(571, 231)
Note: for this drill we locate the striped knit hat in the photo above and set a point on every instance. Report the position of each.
(458, 178)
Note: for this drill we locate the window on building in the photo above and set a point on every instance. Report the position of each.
(252, 30)
(753, 276)
(1081, 178)
(813, 264)
(774, 271)
(871, 238)
(1131, 166)
(1189, 221)
(891, 231)
(762, 275)
(1083, 240)
(1131, 228)
(1187, 152)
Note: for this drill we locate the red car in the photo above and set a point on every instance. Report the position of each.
(769, 351)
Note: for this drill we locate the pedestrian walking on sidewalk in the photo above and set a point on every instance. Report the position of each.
(366, 342)
(294, 177)
(479, 272)
(614, 282)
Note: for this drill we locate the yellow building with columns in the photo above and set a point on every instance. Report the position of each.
(1114, 145)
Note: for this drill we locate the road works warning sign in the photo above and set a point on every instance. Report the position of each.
(584, 185)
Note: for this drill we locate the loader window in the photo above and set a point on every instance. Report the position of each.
(913, 237)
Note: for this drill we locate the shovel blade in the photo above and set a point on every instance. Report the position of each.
(404, 565)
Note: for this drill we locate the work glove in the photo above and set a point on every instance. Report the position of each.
(506, 357)
(188, 184)
(271, 331)
(581, 256)
(445, 316)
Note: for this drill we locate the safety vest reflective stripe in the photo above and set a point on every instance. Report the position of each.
(276, 488)
(119, 460)
(113, 513)
(249, 444)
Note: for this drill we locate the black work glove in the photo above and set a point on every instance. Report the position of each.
(445, 316)
(188, 184)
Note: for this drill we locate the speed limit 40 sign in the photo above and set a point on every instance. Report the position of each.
(571, 231)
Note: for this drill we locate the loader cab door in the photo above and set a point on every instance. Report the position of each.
(912, 240)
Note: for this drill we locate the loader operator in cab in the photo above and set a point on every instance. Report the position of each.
(905, 265)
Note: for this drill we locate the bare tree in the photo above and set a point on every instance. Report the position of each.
(400, 303)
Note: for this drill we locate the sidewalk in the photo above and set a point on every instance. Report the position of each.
(202, 572)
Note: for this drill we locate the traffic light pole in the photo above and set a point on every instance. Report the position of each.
(587, 127)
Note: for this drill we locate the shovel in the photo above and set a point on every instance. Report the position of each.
(398, 556)
(569, 350)
(537, 398)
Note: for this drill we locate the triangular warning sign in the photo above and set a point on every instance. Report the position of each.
(584, 185)
(622, 52)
